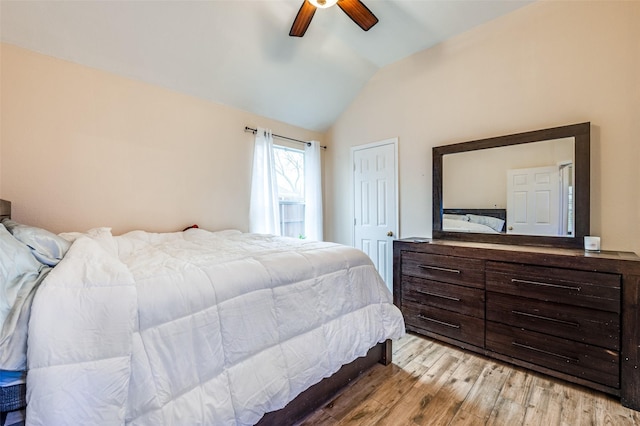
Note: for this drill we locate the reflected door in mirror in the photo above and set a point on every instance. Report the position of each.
(538, 201)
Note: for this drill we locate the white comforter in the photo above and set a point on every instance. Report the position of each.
(197, 327)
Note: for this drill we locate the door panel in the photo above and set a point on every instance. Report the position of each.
(375, 208)
(533, 201)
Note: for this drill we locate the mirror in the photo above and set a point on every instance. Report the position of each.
(528, 188)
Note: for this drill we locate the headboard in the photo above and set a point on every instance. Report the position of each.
(5, 209)
(499, 213)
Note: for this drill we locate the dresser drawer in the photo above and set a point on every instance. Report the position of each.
(465, 328)
(599, 328)
(577, 359)
(452, 297)
(580, 288)
(448, 269)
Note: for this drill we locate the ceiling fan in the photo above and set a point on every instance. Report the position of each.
(355, 9)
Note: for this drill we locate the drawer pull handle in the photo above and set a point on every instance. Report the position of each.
(566, 287)
(542, 351)
(438, 268)
(442, 296)
(559, 321)
(448, 324)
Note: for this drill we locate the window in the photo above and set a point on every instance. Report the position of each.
(289, 164)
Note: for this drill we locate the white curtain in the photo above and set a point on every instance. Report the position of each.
(264, 210)
(312, 192)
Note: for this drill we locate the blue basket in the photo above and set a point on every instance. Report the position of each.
(13, 397)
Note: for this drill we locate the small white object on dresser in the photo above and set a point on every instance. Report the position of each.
(591, 243)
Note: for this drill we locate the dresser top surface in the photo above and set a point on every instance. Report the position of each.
(574, 253)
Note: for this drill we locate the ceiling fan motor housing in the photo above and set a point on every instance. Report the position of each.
(355, 9)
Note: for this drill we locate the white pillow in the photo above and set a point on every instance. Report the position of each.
(93, 233)
(491, 222)
(46, 246)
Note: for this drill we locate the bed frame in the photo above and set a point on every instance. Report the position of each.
(320, 393)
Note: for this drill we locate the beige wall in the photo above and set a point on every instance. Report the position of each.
(1, 121)
(545, 65)
(82, 148)
(478, 179)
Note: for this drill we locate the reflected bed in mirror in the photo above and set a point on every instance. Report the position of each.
(486, 221)
(528, 188)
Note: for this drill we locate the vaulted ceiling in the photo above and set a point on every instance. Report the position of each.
(238, 52)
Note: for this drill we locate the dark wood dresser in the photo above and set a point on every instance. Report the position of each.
(562, 312)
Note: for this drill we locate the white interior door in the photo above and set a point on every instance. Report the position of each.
(375, 189)
(533, 201)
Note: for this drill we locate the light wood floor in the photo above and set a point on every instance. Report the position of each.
(434, 384)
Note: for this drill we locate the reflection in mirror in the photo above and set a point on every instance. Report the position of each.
(520, 189)
(528, 188)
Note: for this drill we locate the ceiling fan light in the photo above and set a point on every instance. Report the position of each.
(323, 4)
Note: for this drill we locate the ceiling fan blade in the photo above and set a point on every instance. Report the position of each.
(303, 19)
(360, 13)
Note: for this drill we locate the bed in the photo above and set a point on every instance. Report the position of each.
(201, 327)
(486, 221)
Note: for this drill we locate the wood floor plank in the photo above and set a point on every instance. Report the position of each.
(585, 409)
(388, 384)
(361, 390)
(407, 409)
(539, 407)
(486, 390)
(606, 412)
(319, 418)
(506, 412)
(559, 405)
(399, 344)
(412, 350)
(465, 418)
(635, 417)
(430, 383)
(366, 414)
(401, 384)
(518, 386)
(442, 407)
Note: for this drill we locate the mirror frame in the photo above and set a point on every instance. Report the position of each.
(582, 166)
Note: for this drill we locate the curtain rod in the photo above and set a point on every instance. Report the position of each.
(249, 129)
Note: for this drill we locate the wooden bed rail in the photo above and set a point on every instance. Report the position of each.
(320, 393)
